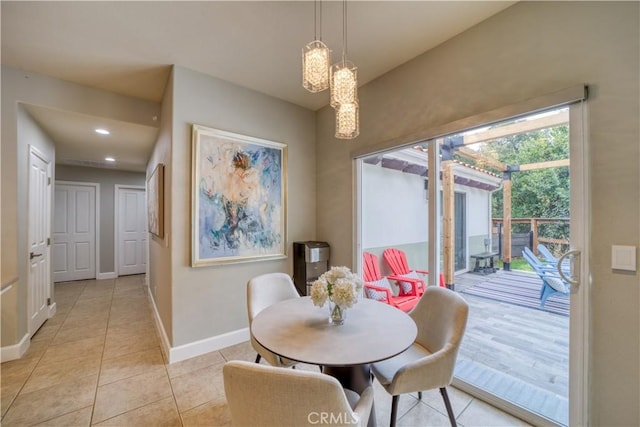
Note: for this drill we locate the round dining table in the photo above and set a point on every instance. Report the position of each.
(372, 331)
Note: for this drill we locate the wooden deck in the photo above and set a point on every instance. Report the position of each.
(517, 353)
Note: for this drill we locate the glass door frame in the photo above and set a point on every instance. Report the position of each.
(579, 329)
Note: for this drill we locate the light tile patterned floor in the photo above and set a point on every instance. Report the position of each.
(98, 362)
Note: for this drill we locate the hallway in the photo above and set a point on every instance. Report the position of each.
(98, 361)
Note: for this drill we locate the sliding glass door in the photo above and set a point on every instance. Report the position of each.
(521, 355)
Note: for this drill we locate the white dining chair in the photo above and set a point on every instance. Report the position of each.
(261, 395)
(441, 318)
(263, 291)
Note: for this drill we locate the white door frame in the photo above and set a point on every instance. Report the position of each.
(96, 187)
(116, 224)
(580, 298)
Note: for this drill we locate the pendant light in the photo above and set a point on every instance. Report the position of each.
(344, 90)
(344, 75)
(316, 57)
(347, 121)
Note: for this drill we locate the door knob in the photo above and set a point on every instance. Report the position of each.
(32, 255)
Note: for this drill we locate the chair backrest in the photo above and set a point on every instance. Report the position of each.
(261, 395)
(528, 252)
(441, 318)
(370, 267)
(397, 261)
(268, 289)
(546, 253)
(533, 260)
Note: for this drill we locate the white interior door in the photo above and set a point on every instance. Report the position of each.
(132, 231)
(74, 232)
(39, 211)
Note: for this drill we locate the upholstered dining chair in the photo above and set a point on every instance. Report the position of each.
(261, 395)
(441, 318)
(263, 291)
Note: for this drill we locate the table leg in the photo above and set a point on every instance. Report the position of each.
(356, 378)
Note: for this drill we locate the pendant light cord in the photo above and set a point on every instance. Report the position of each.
(320, 20)
(315, 20)
(344, 31)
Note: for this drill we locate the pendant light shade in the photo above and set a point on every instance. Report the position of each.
(316, 57)
(344, 83)
(347, 121)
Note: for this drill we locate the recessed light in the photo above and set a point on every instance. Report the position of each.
(102, 131)
(109, 159)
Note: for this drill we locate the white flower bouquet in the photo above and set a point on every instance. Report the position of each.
(338, 285)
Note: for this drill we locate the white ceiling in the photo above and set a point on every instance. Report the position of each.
(128, 48)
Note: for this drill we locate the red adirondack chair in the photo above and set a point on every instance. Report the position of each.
(397, 261)
(378, 287)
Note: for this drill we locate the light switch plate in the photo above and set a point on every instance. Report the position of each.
(623, 258)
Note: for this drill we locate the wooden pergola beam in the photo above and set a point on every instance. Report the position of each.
(506, 216)
(448, 224)
(484, 161)
(481, 159)
(523, 126)
(542, 165)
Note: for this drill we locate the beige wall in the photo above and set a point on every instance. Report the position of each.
(29, 88)
(210, 301)
(159, 278)
(529, 50)
(107, 179)
(14, 319)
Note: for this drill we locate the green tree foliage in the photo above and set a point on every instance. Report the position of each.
(542, 193)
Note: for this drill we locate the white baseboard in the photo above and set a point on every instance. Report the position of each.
(166, 345)
(16, 351)
(187, 351)
(207, 345)
(109, 275)
(53, 308)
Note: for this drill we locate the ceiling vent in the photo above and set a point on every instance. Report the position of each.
(88, 163)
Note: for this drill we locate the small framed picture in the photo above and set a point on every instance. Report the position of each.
(155, 201)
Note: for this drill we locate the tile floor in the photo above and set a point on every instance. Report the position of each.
(98, 362)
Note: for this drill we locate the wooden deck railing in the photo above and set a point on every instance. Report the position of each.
(536, 225)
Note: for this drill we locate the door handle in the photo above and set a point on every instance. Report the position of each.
(572, 281)
(32, 255)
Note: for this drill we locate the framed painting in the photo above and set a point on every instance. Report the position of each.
(155, 201)
(239, 198)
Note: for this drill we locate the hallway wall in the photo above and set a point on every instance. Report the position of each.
(29, 88)
(14, 266)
